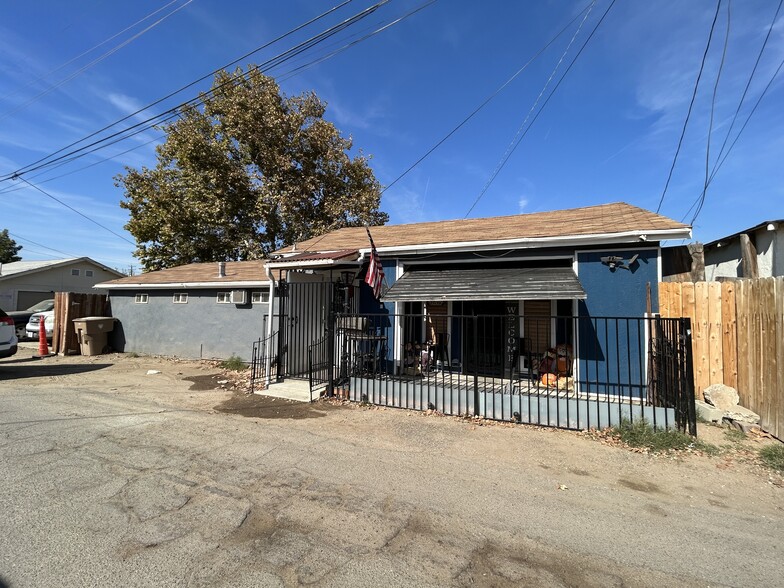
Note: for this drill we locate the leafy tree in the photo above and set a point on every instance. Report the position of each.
(249, 172)
(8, 248)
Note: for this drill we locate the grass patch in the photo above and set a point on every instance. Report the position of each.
(234, 363)
(773, 456)
(132, 354)
(641, 434)
(735, 435)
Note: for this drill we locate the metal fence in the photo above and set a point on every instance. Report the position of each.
(566, 372)
(264, 356)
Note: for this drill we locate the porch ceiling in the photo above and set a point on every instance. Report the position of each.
(486, 284)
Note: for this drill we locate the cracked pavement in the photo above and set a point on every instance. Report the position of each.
(111, 477)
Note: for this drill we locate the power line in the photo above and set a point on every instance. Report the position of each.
(746, 122)
(485, 102)
(712, 110)
(748, 82)
(84, 167)
(71, 208)
(691, 105)
(359, 40)
(510, 149)
(174, 112)
(47, 160)
(555, 88)
(719, 159)
(17, 237)
(95, 61)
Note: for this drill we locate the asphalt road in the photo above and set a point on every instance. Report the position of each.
(110, 477)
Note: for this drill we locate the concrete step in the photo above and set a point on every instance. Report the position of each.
(298, 390)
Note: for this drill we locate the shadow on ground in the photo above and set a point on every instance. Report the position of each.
(268, 407)
(27, 367)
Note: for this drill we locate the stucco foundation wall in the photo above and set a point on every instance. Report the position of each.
(200, 328)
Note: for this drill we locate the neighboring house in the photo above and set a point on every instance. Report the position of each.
(757, 252)
(199, 310)
(542, 284)
(24, 283)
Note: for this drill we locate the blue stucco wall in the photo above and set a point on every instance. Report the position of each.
(382, 313)
(201, 328)
(611, 350)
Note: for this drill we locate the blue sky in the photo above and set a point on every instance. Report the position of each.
(608, 133)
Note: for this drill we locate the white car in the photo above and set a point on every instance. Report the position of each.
(34, 324)
(8, 340)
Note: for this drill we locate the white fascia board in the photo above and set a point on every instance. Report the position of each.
(627, 238)
(191, 285)
(315, 263)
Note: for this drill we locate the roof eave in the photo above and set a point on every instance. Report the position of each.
(171, 285)
(639, 236)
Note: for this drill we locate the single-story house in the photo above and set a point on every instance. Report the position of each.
(198, 310)
(756, 252)
(25, 283)
(493, 299)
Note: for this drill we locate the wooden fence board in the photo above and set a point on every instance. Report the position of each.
(729, 335)
(715, 358)
(700, 337)
(737, 339)
(777, 423)
(768, 344)
(70, 306)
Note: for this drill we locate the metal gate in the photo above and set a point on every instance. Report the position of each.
(672, 383)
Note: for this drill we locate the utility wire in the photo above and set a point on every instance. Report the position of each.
(746, 122)
(481, 106)
(192, 103)
(17, 237)
(712, 111)
(513, 144)
(359, 40)
(48, 160)
(719, 159)
(748, 82)
(691, 105)
(69, 207)
(78, 169)
(485, 102)
(557, 85)
(95, 61)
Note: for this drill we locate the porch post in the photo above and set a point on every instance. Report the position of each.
(474, 347)
(270, 321)
(331, 336)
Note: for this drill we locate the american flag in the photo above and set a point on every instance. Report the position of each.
(375, 273)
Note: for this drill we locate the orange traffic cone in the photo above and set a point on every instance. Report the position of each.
(43, 347)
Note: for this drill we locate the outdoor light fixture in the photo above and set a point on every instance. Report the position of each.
(347, 277)
(614, 262)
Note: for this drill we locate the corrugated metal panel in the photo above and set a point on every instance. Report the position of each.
(487, 284)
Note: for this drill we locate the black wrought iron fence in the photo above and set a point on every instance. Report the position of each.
(561, 371)
(264, 362)
(321, 364)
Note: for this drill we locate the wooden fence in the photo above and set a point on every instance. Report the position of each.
(737, 332)
(69, 306)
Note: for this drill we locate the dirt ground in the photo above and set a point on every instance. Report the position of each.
(155, 469)
(207, 383)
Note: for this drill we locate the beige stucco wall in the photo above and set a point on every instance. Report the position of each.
(57, 279)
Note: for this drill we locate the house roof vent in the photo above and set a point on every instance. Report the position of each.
(221, 269)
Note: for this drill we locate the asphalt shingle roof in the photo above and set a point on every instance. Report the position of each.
(617, 217)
